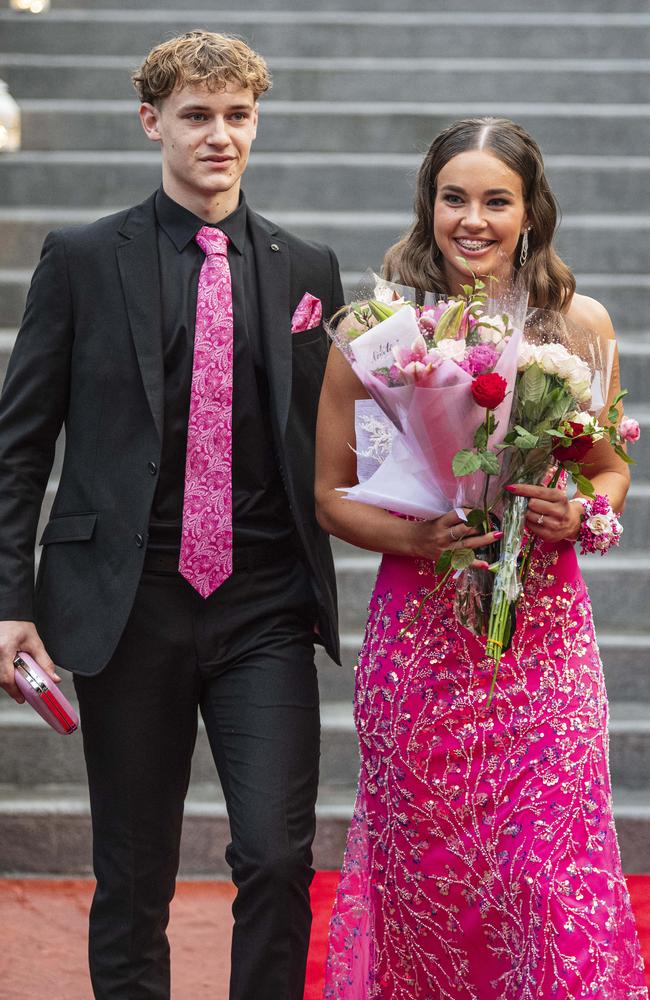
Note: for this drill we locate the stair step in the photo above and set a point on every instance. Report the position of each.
(421, 33)
(47, 831)
(336, 78)
(35, 755)
(570, 128)
(512, 7)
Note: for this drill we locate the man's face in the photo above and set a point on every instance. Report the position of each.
(205, 138)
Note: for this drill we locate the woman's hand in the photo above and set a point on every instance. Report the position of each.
(430, 538)
(551, 516)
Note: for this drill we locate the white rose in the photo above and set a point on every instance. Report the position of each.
(580, 417)
(487, 336)
(451, 349)
(599, 524)
(551, 357)
(582, 391)
(574, 369)
(492, 330)
(527, 356)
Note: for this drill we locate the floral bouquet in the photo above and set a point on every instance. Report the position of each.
(562, 388)
(419, 364)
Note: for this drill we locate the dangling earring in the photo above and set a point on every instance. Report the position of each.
(523, 256)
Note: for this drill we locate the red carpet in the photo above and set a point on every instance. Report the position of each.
(44, 937)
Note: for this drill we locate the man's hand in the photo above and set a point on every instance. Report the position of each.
(15, 636)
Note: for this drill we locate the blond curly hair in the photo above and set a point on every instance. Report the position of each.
(200, 58)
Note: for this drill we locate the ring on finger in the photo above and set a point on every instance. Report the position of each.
(455, 538)
(540, 519)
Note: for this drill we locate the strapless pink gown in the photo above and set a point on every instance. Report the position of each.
(482, 861)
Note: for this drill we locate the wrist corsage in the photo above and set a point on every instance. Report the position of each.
(600, 527)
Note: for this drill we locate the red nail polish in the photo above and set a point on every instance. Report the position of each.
(498, 534)
(512, 488)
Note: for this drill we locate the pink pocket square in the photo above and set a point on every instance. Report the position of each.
(309, 313)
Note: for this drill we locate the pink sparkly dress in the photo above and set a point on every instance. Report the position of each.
(482, 861)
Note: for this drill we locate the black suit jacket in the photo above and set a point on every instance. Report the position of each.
(89, 356)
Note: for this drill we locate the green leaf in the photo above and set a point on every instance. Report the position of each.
(550, 432)
(612, 414)
(462, 558)
(618, 398)
(533, 384)
(490, 463)
(525, 440)
(621, 452)
(465, 463)
(443, 563)
(572, 467)
(481, 438)
(380, 310)
(584, 485)
(476, 518)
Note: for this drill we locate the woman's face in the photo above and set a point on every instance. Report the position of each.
(479, 213)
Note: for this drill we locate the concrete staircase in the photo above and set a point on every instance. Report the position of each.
(358, 95)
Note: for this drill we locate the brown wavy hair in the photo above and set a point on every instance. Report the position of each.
(200, 58)
(416, 260)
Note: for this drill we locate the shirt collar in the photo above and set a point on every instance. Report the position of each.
(181, 225)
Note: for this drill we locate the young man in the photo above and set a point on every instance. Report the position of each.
(182, 567)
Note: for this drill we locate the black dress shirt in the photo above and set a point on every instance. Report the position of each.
(260, 506)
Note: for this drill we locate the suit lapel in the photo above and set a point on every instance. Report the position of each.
(273, 278)
(137, 260)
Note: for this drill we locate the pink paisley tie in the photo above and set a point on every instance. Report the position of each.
(206, 542)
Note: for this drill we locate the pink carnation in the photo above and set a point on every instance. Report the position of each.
(480, 359)
(629, 429)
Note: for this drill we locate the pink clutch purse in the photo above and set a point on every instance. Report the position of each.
(40, 691)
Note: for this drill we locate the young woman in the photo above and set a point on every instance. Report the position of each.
(482, 861)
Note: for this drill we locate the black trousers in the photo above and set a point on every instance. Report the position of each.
(244, 657)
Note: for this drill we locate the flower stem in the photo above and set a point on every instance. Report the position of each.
(527, 553)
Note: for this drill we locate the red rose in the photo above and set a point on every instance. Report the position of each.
(581, 443)
(489, 390)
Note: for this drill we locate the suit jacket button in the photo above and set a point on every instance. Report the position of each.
(153, 468)
(139, 540)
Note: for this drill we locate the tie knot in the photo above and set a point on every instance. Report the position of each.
(212, 240)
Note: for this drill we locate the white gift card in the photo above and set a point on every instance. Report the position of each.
(374, 349)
